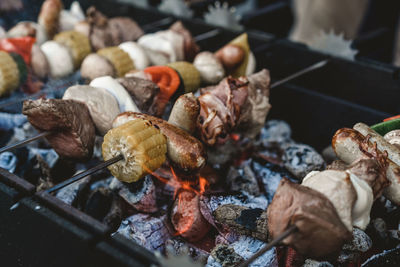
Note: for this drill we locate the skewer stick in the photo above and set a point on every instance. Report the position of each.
(313, 67)
(83, 174)
(24, 142)
(206, 35)
(267, 247)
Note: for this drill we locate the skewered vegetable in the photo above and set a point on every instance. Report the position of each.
(142, 145)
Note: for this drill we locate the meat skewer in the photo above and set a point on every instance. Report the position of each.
(304, 71)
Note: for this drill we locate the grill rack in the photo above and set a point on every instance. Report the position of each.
(44, 231)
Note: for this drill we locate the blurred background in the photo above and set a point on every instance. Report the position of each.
(370, 26)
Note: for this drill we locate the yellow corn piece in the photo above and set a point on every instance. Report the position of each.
(77, 43)
(189, 74)
(9, 74)
(143, 146)
(120, 59)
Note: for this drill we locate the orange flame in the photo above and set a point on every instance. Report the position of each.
(187, 217)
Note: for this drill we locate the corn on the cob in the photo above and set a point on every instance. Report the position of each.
(143, 146)
(9, 74)
(189, 74)
(119, 58)
(77, 43)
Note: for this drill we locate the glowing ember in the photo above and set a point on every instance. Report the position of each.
(186, 216)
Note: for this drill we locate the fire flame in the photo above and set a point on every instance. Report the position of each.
(198, 187)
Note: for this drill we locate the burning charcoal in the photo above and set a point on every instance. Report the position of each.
(275, 131)
(225, 256)
(209, 174)
(69, 193)
(387, 258)
(242, 178)
(270, 176)
(146, 230)
(314, 263)
(245, 247)
(300, 159)
(187, 218)
(252, 222)
(208, 204)
(177, 246)
(141, 195)
(8, 161)
(224, 153)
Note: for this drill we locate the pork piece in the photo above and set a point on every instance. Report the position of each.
(73, 131)
(320, 233)
(220, 109)
(142, 91)
(246, 221)
(257, 106)
(189, 44)
(187, 218)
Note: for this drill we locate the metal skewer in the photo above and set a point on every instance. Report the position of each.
(267, 247)
(83, 174)
(206, 35)
(24, 142)
(313, 67)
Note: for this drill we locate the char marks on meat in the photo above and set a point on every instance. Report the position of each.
(73, 131)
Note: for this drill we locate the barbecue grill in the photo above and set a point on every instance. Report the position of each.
(43, 230)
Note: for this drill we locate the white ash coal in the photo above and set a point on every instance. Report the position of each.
(177, 246)
(69, 194)
(242, 249)
(146, 230)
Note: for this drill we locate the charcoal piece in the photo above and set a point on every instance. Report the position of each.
(270, 152)
(243, 179)
(69, 194)
(187, 218)
(62, 169)
(141, 195)
(347, 257)
(8, 161)
(115, 215)
(270, 176)
(146, 230)
(251, 222)
(225, 256)
(245, 247)
(224, 153)
(99, 203)
(361, 241)
(208, 204)
(387, 258)
(314, 263)
(301, 159)
(177, 246)
(227, 237)
(275, 131)
(45, 181)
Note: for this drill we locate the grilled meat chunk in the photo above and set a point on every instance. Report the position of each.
(73, 131)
